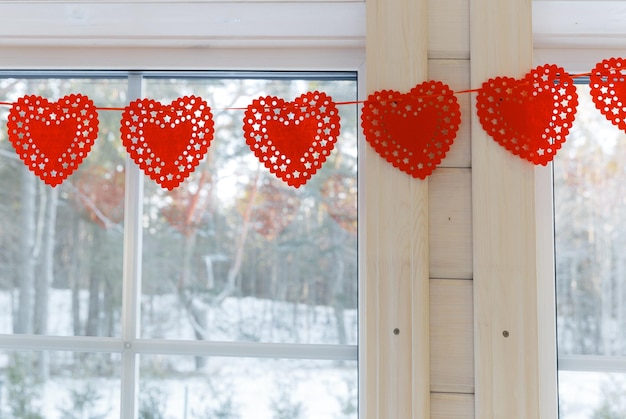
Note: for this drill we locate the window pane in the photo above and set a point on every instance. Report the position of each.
(596, 395)
(590, 212)
(171, 387)
(234, 254)
(63, 385)
(589, 196)
(61, 248)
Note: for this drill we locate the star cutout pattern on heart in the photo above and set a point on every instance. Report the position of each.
(167, 141)
(292, 139)
(53, 138)
(608, 90)
(413, 131)
(532, 116)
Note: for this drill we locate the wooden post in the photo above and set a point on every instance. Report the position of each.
(396, 355)
(506, 338)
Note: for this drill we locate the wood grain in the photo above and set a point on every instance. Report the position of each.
(504, 241)
(450, 220)
(396, 365)
(451, 336)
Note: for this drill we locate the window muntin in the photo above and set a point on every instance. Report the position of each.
(324, 314)
(589, 179)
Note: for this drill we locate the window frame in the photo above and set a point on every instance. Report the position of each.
(130, 343)
(337, 46)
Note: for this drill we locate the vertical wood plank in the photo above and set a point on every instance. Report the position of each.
(456, 74)
(451, 336)
(452, 406)
(505, 278)
(396, 285)
(450, 221)
(449, 27)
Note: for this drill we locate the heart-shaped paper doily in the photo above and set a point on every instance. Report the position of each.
(167, 141)
(412, 131)
(608, 90)
(53, 138)
(532, 116)
(292, 139)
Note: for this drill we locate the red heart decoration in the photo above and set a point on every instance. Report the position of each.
(167, 141)
(292, 139)
(530, 117)
(53, 138)
(608, 90)
(412, 131)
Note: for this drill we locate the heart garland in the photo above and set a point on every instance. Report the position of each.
(53, 138)
(532, 116)
(608, 90)
(412, 131)
(292, 139)
(167, 141)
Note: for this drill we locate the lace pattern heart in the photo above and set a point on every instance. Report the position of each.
(53, 138)
(608, 90)
(532, 116)
(412, 131)
(167, 141)
(292, 139)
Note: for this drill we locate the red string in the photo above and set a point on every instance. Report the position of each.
(350, 102)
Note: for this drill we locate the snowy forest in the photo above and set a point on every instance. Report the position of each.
(232, 254)
(590, 209)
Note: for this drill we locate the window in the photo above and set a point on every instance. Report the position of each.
(589, 197)
(230, 296)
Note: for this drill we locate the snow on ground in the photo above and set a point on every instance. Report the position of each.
(582, 393)
(235, 388)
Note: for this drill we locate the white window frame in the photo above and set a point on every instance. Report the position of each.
(69, 52)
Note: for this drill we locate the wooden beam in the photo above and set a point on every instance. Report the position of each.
(504, 229)
(397, 360)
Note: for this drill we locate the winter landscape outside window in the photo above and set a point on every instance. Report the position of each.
(590, 214)
(232, 296)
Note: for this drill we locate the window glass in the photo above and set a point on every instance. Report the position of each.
(237, 253)
(247, 388)
(590, 215)
(76, 385)
(61, 248)
(233, 256)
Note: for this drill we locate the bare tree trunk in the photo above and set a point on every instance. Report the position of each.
(338, 296)
(233, 272)
(75, 274)
(24, 322)
(44, 281)
(109, 308)
(93, 312)
(198, 314)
